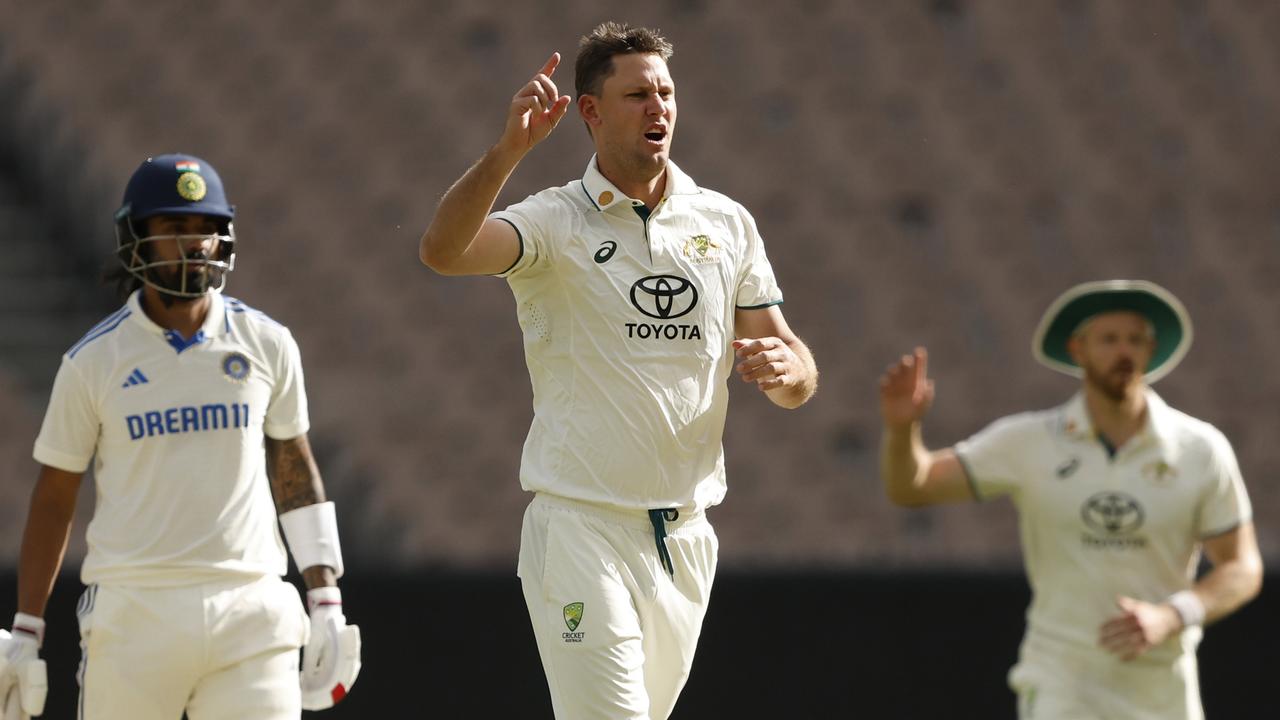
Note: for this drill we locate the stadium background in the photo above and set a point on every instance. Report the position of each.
(924, 172)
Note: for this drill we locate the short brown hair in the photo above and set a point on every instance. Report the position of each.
(597, 48)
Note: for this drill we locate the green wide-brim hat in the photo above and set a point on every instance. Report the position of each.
(1082, 302)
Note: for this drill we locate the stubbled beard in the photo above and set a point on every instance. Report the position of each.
(197, 282)
(1113, 388)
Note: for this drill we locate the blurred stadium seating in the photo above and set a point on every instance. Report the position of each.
(930, 172)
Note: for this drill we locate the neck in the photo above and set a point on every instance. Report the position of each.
(1118, 419)
(184, 315)
(647, 190)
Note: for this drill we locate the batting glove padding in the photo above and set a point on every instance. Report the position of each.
(24, 680)
(331, 659)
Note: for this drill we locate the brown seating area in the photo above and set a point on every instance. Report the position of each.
(924, 173)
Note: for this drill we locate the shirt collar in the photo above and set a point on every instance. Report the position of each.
(605, 195)
(214, 322)
(1077, 425)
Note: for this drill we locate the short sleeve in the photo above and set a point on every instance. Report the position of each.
(990, 458)
(757, 286)
(1225, 504)
(533, 218)
(287, 410)
(69, 436)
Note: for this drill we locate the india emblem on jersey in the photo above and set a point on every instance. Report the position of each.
(191, 187)
(573, 615)
(701, 249)
(235, 367)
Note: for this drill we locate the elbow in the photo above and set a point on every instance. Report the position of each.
(429, 254)
(1255, 577)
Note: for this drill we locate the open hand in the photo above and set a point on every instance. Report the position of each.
(906, 392)
(1139, 627)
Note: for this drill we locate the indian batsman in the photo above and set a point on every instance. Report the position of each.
(1118, 494)
(187, 403)
(634, 286)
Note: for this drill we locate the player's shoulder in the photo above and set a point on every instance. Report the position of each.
(99, 336)
(570, 199)
(705, 199)
(240, 316)
(1192, 432)
(1029, 422)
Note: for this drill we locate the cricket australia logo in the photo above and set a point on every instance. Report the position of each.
(701, 250)
(1115, 516)
(572, 619)
(1159, 473)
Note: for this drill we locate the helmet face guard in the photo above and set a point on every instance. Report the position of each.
(186, 275)
(176, 185)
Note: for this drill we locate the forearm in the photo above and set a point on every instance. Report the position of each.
(1228, 586)
(794, 395)
(904, 463)
(296, 483)
(44, 543)
(464, 208)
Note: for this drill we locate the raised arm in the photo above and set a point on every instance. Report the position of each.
(912, 475)
(461, 239)
(772, 357)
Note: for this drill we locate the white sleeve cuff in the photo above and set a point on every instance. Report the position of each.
(312, 533)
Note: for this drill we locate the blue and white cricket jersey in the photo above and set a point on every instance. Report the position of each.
(627, 327)
(175, 432)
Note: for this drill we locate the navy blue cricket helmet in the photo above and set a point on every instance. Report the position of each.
(175, 184)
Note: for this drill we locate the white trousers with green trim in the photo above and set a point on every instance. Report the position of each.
(615, 631)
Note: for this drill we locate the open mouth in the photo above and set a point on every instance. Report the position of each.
(656, 135)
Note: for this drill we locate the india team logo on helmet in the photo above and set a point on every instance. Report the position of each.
(177, 185)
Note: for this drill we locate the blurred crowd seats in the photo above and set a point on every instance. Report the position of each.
(931, 172)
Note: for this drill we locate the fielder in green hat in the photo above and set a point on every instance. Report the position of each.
(1118, 494)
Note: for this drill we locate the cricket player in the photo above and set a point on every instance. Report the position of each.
(187, 403)
(1118, 494)
(634, 287)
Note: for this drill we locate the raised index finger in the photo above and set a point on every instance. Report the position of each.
(550, 65)
(922, 365)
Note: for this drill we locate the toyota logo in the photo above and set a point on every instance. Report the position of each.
(664, 297)
(1114, 513)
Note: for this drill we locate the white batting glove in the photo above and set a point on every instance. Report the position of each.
(23, 678)
(331, 659)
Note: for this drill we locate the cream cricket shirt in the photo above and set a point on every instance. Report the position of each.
(1094, 527)
(627, 328)
(175, 430)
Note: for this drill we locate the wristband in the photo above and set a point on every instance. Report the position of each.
(312, 532)
(29, 625)
(323, 597)
(1188, 606)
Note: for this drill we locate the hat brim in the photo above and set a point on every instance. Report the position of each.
(1167, 315)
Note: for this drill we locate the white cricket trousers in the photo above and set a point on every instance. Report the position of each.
(1097, 686)
(220, 651)
(615, 631)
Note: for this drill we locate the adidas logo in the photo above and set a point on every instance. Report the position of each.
(135, 378)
